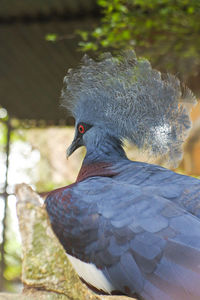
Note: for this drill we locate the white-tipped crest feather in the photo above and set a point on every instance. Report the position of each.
(131, 101)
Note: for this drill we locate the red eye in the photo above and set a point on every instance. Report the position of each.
(81, 129)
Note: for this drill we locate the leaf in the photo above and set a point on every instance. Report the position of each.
(84, 34)
(51, 37)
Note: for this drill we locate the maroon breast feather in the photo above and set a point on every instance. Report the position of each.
(86, 171)
(95, 169)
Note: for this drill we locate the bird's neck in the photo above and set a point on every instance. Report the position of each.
(108, 150)
(100, 160)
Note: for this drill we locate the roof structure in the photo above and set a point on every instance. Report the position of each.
(31, 68)
(26, 10)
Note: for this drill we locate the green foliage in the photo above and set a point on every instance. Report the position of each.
(51, 37)
(12, 250)
(156, 28)
(3, 114)
(3, 128)
(3, 132)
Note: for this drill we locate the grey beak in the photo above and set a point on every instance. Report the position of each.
(74, 145)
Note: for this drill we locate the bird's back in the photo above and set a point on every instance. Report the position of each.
(181, 189)
(135, 234)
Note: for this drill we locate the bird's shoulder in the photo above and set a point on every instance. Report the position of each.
(182, 189)
(131, 235)
(141, 173)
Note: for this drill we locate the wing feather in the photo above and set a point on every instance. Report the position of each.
(144, 243)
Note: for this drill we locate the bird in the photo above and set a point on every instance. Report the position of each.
(129, 227)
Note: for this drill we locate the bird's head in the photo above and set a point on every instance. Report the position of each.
(81, 134)
(92, 136)
(125, 98)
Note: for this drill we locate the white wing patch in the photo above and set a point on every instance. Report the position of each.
(91, 274)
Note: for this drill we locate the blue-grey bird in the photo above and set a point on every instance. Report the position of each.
(129, 227)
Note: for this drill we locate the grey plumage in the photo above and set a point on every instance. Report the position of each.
(128, 98)
(135, 226)
(139, 239)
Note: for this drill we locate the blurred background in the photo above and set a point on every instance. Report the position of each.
(39, 42)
